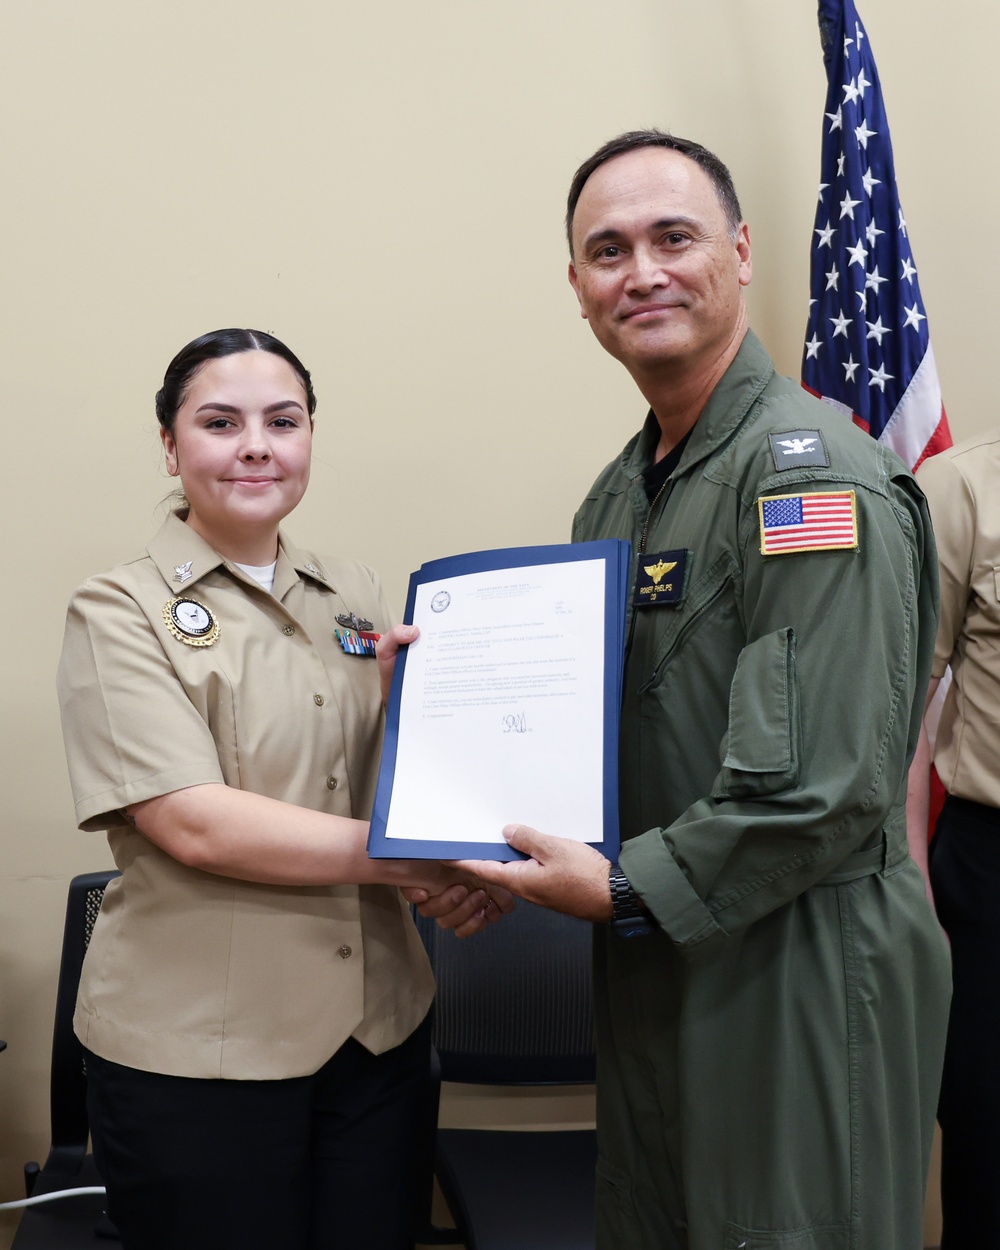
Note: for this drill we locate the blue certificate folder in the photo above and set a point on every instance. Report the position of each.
(500, 766)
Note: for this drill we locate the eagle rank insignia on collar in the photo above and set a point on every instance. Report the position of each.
(190, 622)
(182, 572)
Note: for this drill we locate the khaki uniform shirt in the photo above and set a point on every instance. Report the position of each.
(190, 973)
(962, 486)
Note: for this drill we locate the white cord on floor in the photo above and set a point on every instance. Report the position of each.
(59, 1193)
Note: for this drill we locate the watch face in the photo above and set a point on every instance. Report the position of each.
(191, 622)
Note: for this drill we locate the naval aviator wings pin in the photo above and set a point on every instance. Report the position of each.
(190, 622)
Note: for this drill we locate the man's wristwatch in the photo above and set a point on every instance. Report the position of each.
(628, 917)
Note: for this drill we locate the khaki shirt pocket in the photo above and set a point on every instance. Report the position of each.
(761, 750)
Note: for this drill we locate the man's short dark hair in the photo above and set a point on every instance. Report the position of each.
(634, 139)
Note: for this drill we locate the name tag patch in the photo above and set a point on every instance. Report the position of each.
(796, 449)
(819, 521)
(660, 579)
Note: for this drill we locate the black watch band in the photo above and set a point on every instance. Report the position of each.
(628, 916)
(625, 903)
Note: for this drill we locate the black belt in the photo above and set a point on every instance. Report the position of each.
(969, 809)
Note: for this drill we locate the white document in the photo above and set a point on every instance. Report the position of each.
(502, 713)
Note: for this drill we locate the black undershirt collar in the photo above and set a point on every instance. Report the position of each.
(654, 477)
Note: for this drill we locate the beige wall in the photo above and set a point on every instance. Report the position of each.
(381, 185)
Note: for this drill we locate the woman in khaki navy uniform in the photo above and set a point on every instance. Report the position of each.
(254, 996)
(962, 486)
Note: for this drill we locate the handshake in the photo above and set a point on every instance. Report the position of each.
(469, 895)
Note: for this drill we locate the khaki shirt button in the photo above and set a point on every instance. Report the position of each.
(288, 630)
(331, 782)
(344, 952)
(318, 700)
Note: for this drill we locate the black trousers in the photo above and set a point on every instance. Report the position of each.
(333, 1161)
(965, 875)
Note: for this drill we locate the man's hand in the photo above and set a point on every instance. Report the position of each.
(564, 875)
(386, 650)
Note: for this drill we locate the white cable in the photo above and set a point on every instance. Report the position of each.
(59, 1193)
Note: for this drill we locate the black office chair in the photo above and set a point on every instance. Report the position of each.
(68, 1223)
(514, 1007)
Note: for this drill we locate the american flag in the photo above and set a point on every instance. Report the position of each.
(868, 350)
(817, 521)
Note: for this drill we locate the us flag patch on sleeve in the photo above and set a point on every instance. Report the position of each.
(819, 521)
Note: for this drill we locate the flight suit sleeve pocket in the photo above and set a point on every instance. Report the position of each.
(760, 751)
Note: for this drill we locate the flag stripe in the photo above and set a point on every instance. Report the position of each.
(823, 520)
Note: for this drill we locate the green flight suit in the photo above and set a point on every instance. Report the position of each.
(769, 1057)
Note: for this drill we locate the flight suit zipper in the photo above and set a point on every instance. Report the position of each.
(649, 515)
(641, 550)
(665, 488)
(681, 635)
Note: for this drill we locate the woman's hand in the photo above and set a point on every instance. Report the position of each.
(386, 650)
(467, 906)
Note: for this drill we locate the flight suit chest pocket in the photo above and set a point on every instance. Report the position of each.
(761, 749)
(671, 625)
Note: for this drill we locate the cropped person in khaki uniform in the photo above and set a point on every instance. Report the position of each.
(962, 486)
(254, 996)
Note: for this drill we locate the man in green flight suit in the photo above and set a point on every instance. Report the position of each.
(772, 989)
